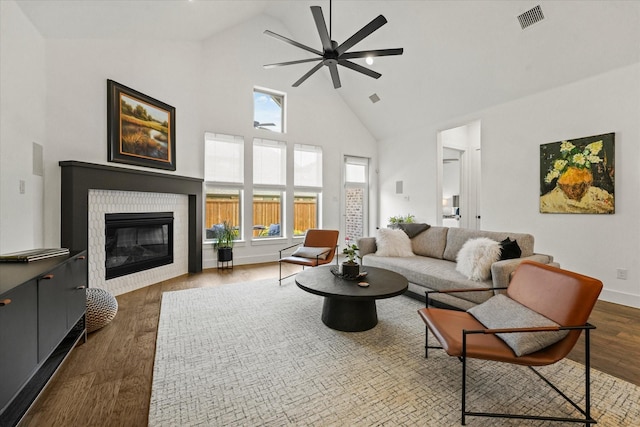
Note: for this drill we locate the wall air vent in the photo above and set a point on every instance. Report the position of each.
(374, 98)
(530, 17)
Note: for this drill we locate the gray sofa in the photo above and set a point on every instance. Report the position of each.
(434, 265)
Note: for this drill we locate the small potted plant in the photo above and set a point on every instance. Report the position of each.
(225, 235)
(394, 221)
(350, 267)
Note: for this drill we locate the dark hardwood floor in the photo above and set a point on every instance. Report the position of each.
(107, 381)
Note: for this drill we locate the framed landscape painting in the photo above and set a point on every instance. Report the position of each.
(578, 175)
(141, 130)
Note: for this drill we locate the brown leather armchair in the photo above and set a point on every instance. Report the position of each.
(318, 248)
(565, 297)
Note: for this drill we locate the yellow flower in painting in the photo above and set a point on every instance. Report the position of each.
(594, 148)
(559, 164)
(552, 175)
(593, 159)
(566, 146)
(579, 159)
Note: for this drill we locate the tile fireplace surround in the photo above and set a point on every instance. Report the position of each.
(91, 190)
(102, 202)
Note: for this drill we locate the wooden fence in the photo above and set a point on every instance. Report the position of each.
(265, 213)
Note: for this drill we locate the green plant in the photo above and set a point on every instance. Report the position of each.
(225, 235)
(350, 252)
(402, 219)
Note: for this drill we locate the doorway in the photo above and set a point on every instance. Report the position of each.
(452, 160)
(459, 176)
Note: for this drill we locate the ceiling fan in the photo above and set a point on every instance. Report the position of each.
(333, 54)
(259, 125)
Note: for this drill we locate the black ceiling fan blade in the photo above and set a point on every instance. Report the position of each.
(282, 64)
(361, 34)
(322, 27)
(306, 76)
(359, 68)
(292, 42)
(376, 53)
(333, 68)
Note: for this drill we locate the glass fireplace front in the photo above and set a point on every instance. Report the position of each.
(137, 241)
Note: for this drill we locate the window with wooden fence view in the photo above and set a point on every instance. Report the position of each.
(266, 213)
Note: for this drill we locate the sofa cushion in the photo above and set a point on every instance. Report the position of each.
(431, 242)
(501, 311)
(393, 242)
(456, 237)
(431, 273)
(413, 229)
(476, 257)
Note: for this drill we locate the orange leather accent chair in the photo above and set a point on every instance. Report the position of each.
(565, 297)
(313, 239)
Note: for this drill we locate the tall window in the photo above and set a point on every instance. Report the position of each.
(224, 180)
(269, 181)
(268, 110)
(307, 181)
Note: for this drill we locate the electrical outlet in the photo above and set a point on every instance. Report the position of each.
(622, 273)
(22, 186)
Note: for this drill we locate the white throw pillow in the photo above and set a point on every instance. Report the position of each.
(476, 256)
(393, 242)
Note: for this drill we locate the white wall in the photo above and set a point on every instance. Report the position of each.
(77, 73)
(56, 89)
(595, 245)
(22, 122)
(233, 62)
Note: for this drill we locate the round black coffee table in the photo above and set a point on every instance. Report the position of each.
(347, 306)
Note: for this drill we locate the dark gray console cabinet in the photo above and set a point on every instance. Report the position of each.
(42, 317)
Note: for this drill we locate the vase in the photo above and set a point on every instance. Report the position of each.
(225, 254)
(350, 269)
(575, 182)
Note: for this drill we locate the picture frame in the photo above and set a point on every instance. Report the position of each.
(578, 176)
(141, 130)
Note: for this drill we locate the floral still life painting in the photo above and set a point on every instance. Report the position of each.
(578, 176)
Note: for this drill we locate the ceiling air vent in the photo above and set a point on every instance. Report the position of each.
(374, 98)
(530, 17)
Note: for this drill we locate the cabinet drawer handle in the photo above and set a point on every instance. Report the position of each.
(81, 257)
(81, 287)
(47, 277)
(4, 302)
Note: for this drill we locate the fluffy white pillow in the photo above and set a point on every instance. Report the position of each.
(476, 256)
(393, 242)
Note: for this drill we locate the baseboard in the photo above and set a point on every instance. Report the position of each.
(621, 298)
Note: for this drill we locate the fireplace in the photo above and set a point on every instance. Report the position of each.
(137, 241)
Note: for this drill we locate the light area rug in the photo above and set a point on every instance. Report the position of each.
(258, 354)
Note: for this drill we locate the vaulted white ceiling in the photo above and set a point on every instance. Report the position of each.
(459, 56)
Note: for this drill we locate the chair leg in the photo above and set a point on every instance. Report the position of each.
(464, 376)
(280, 275)
(587, 377)
(426, 342)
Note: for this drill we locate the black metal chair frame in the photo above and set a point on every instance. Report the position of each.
(586, 411)
(280, 278)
